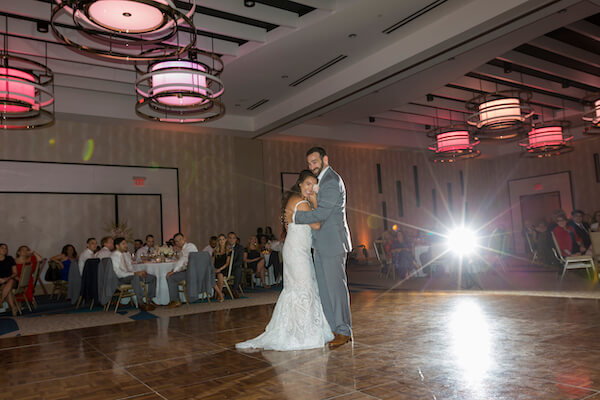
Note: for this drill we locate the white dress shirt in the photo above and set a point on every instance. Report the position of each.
(85, 255)
(181, 264)
(209, 250)
(103, 253)
(121, 264)
(143, 251)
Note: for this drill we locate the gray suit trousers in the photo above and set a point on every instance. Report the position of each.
(173, 283)
(135, 281)
(333, 290)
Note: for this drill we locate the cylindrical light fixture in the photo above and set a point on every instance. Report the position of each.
(130, 30)
(182, 90)
(592, 110)
(500, 115)
(547, 140)
(453, 143)
(26, 93)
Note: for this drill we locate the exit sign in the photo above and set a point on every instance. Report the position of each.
(538, 186)
(139, 180)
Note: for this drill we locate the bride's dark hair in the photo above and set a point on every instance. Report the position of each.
(295, 190)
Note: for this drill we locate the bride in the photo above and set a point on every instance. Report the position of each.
(298, 321)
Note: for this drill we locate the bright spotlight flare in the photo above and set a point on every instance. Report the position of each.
(462, 241)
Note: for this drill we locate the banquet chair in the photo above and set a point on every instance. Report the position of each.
(36, 277)
(574, 262)
(531, 247)
(22, 287)
(384, 262)
(89, 282)
(59, 287)
(228, 281)
(248, 276)
(595, 238)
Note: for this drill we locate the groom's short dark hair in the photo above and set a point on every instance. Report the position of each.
(316, 149)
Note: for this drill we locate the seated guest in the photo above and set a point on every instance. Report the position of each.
(137, 244)
(24, 256)
(212, 243)
(255, 260)
(237, 256)
(108, 246)
(90, 249)
(8, 277)
(148, 249)
(67, 257)
(262, 242)
(127, 275)
(570, 244)
(402, 255)
(178, 273)
(582, 228)
(221, 258)
(542, 243)
(269, 233)
(595, 225)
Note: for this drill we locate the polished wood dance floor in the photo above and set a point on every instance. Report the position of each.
(407, 346)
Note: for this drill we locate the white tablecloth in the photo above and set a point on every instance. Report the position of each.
(160, 270)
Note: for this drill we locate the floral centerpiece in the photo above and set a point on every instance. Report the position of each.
(165, 251)
(119, 230)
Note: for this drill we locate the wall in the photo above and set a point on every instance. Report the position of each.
(211, 193)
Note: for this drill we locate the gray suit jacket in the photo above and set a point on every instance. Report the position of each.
(199, 275)
(334, 236)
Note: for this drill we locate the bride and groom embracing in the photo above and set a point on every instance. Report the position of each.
(314, 306)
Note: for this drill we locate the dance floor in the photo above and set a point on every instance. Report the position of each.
(407, 346)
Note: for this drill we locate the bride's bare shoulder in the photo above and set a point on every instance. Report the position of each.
(292, 201)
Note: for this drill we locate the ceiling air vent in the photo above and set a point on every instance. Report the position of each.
(319, 70)
(414, 16)
(257, 104)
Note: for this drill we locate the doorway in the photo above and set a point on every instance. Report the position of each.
(539, 206)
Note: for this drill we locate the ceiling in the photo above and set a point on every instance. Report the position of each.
(318, 69)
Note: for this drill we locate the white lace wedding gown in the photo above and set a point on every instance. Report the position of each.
(298, 322)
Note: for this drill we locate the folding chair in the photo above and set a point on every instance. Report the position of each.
(22, 287)
(573, 262)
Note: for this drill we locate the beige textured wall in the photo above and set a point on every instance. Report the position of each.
(229, 183)
(210, 195)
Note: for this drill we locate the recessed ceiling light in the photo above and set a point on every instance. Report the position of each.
(249, 3)
(352, 35)
(284, 76)
(42, 26)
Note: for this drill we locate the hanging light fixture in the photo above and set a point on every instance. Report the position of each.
(592, 114)
(500, 115)
(453, 143)
(131, 30)
(181, 90)
(547, 140)
(26, 92)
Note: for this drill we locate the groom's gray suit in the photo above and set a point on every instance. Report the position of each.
(332, 244)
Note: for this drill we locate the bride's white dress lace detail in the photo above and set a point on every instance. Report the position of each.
(298, 321)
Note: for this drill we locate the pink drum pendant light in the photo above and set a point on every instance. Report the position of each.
(26, 93)
(181, 91)
(547, 141)
(453, 143)
(130, 30)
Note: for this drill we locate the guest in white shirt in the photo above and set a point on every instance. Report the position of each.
(148, 248)
(108, 246)
(87, 253)
(178, 273)
(212, 243)
(123, 269)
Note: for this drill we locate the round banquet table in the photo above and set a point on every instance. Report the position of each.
(159, 270)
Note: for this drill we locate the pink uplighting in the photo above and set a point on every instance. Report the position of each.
(547, 136)
(499, 113)
(127, 16)
(453, 141)
(16, 91)
(180, 82)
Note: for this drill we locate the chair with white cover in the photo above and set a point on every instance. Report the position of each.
(22, 286)
(574, 262)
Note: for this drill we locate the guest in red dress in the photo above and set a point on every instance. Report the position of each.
(570, 244)
(24, 256)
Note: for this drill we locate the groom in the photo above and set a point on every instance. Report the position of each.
(331, 243)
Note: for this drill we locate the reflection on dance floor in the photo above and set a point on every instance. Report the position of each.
(407, 346)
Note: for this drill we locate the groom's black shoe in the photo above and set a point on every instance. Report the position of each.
(339, 340)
